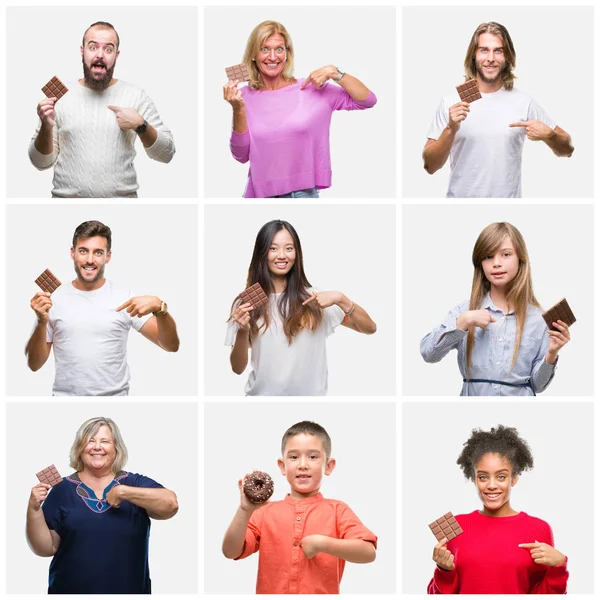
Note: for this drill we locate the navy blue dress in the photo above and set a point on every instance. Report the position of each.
(102, 550)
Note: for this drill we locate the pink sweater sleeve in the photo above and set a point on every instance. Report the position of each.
(239, 144)
(340, 99)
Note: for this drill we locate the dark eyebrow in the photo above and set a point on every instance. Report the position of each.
(486, 473)
(100, 43)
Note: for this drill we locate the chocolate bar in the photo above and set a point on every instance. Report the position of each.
(55, 88)
(255, 295)
(561, 311)
(237, 73)
(445, 527)
(48, 281)
(49, 475)
(469, 91)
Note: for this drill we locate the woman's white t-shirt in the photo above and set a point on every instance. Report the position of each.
(283, 369)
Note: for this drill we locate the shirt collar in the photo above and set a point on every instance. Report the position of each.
(488, 303)
(311, 500)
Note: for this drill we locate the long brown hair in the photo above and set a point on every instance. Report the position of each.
(295, 317)
(519, 291)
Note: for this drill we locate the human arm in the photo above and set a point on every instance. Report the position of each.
(239, 351)
(353, 550)
(42, 540)
(557, 139)
(445, 577)
(554, 580)
(37, 349)
(355, 88)
(159, 503)
(43, 148)
(359, 320)
(546, 360)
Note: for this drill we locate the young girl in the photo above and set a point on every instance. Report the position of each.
(501, 550)
(286, 336)
(504, 347)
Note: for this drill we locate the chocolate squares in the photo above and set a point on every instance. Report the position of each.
(237, 73)
(255, 295)
(560, 311)
(48, 281)
(469, 91)
(445, 527)
(49, 475)
(55, 88)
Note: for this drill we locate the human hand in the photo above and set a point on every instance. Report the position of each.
(544, 554)
(39, 493)
(233, 95)
(115, 496)
(127, 118)
(320, 76)
(442, 557)
(245, 504)
(457, 114)
(535, 130)
(45, 111)
(141, 306)
(558, 338)
(324, 299)
(241, 315)
(313, 544)
(475, 318)
(41, 303)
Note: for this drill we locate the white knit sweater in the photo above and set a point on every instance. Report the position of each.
(92, 156)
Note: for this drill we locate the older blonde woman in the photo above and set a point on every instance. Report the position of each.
(280, 123)
(95, 523)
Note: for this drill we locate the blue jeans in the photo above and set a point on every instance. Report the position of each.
(307, 193)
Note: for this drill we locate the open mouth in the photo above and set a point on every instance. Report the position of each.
(493, 496)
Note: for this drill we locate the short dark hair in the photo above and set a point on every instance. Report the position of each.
(101, 25)
(309, 428)
(501, 440)
(90, 229)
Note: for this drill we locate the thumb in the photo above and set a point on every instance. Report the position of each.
(519, 124)
(492, 320)
(114, 108)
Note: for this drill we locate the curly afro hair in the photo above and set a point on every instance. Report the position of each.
(501, 440)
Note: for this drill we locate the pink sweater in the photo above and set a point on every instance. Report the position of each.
(488, 560)
(287, 142)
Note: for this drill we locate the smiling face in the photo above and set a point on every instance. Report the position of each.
(271, 57)
(282, 254)
(501, 267)
(99, 453)
(304, 463)
(89, 258)
(99, 55)
(489, 58)
(494, 478)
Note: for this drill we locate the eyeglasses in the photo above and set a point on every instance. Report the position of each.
(279, 51)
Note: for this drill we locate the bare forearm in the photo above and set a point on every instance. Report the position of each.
(149, 136)
(356, 551)
(167, 333)
(359, 320)
(240, 124)
(44, 142)
(235, 536)
(38, 534)
(356, 89)
(560, 143)
(436, 153)
(239, 352)
(159, 503)
(37, 349)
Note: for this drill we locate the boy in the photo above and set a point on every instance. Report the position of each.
(304, 539)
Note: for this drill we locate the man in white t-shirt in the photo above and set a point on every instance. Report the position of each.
(484, 139)
(87, 322)
(89, 134)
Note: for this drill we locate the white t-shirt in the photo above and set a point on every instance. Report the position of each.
(89, 338)
(485, 159)
(281, 369)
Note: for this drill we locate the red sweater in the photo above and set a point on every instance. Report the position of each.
(488, 560)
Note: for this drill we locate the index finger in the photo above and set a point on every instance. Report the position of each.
(530, 545)
(313, 297)
(441, 544)
(519, 124)
(128, 303)
(306, 82)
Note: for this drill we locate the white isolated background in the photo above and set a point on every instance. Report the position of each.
(154, 252)
(557, 71)
(437, 270)
(173, 543)
(346, 248)
(362, 142)
(559, 489)
(364, 446)
(158, 54)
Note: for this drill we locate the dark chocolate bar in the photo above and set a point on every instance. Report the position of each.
(49, 475)
(255, 295)
(445, 527)
(237, 73)
(561, 311)
(55, 88)
(469, 91)
(48, 281)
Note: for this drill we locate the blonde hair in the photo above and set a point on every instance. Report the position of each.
(510, 55)
(86, 432)
(519, 291)
(255, 42)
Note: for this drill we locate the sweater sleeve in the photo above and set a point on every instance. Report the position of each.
(44, 161)
(163, 148)
(239, 144)
(340, 99)
(445, 337)
(443, 582)
(554, 581)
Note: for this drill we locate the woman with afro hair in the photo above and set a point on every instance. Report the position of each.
(501, 550)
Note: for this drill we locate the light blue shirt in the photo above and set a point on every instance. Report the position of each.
(493, 351)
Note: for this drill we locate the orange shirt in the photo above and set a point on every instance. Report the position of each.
(277, 528)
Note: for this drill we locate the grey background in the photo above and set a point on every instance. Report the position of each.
(559, 239)
(162, 444)
(348, 248)
(434, 44)
(158, 54)
(559, 489)
(363, 143)
(147, 257)
(363, 444)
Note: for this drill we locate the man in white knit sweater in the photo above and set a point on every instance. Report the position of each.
(89, 135)
(87, 322)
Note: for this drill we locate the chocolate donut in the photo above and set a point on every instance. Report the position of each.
(258, 487)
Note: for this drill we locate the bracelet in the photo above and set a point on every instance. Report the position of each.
(350, 311)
